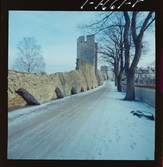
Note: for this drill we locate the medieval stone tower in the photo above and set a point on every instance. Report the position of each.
(87, 50)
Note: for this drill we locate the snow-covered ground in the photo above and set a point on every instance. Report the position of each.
(112, 133)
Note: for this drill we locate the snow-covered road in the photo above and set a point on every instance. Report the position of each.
(95, 124)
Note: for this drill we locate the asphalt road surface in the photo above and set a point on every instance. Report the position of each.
(66, 131)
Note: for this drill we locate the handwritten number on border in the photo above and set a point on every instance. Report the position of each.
(103, 4)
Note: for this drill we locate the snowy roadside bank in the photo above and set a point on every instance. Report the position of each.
(134, 137)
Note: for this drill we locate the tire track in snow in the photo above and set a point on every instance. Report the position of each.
(91, 109)
(100, 148)
(45, 127)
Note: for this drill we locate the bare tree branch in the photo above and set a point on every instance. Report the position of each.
(30, 57)
(145, 24)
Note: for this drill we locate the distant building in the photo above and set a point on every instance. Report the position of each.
(145, 76)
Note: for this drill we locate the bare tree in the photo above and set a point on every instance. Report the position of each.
(132, 43)
(114, 49)
(30, 57)
(112, 52)
(131, 22)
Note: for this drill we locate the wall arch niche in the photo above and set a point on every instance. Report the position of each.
(82, 89)
(27, 97)
(58, 93)
(73, 91)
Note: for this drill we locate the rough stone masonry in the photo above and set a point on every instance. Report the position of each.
(35, 89)
(43, 87)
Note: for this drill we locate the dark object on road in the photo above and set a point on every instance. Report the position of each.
(145, 114)
(27, 97)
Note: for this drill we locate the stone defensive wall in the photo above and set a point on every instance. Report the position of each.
(34, 89)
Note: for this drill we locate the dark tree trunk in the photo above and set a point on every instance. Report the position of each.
(119, 85)
(121, 69)
(115, 80)
(129, 88)
(130, 73)
(130, 92)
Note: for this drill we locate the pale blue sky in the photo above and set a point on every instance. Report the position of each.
(57, 33)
